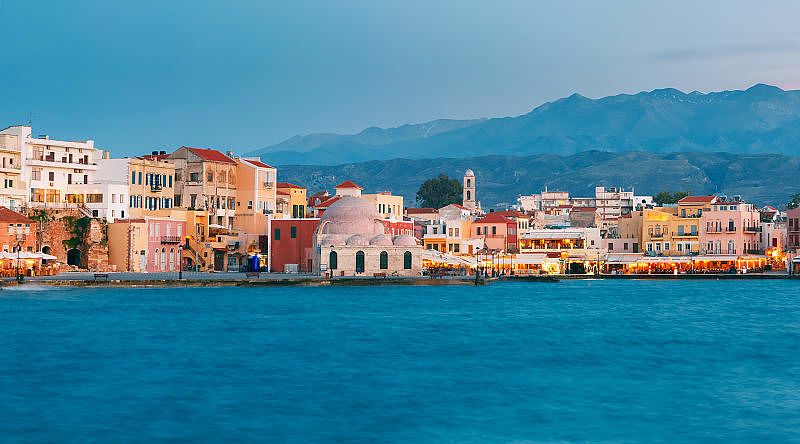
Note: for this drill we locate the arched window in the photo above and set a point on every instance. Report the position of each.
(172, 259)
(163, 258)
(469, 183)
(407, 260)
(731, 247)
(359, 262)
(469, 195)
(333, 260)
(384, 260)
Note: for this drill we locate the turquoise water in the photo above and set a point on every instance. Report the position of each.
(581, 361)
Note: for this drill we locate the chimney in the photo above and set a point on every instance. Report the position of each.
(106, 154)
(162, 152)
(229, 154)
(154, 153)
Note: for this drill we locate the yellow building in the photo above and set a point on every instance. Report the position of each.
(664, 231)
(150, 180)
(291, 201)
(386, 203)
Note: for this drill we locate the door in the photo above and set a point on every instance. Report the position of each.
(142, 261)
(219, 261)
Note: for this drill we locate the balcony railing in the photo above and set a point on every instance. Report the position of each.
(170, 239)
(752, 229)
(156, 187)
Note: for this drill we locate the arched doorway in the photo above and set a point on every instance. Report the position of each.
(74, 257)
(384, 260)
(360, 262)
(407, 260)
(46, 250)
(333, 260)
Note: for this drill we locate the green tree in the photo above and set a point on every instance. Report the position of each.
(665, 197)
(439, 192)
(794, 201)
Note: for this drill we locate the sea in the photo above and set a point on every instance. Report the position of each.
(585, 361)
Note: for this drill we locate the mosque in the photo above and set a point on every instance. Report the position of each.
(351, 240)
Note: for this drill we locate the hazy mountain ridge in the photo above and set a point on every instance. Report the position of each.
(761, 178)
(760, 119)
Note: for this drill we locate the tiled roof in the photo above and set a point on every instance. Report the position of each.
(585, 209)
(421, 210)
(492, 218)
(349, 184)
(457, 206)
(328, 202)
(12, 217)
(697, 199)
(257, 163)
(288, 185)
(210, 155)
(510, 213)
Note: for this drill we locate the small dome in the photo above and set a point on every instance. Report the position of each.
(332, 239)
(381, 240)
(356, 240)
(469, 173)
(405, 241)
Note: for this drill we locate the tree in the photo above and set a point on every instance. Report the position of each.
(665, 197)
(794, 201)
(439, 192)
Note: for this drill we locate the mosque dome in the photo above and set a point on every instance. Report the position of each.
(405, 241)
(381, 240)
(332, 239)
(352, 215)
(356, 240)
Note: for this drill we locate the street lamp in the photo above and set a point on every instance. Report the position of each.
(19, 252)
(180, 262)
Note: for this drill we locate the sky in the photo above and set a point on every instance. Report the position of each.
(142, 75)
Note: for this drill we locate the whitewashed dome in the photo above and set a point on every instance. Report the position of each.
(381, 240)
(352, 215)
(469, 173)
(356, 240)
(405, 241)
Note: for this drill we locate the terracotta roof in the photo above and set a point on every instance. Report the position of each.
(510, 213)
(585, 209)
(257, 163)
(494, 218)
(348, 184)
(210, 155)
(697, 199)
(456, 205)
(12, 217)
(328, 202)
(421, 210)
(284, 193)
(288, 185)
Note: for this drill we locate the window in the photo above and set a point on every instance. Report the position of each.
(610, 246)
(456, 248)
(666, 246)
(494, 231)
(133, 178)
(384, 260)
(140, 177)
(277, 234)
(51, 176)
(210, 177)
(293, 232)
(170, 180)
(333, 260)
(359, 262)
(479, 231)
(680, 247)
(194, 177)
(407, 260)
(249, 204)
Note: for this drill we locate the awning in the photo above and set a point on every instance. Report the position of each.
(530, 259)
(449, 259)
(556, 234)
(623, 258)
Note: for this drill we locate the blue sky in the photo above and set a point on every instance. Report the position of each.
(142, 75)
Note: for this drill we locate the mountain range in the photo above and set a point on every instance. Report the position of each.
(500, 179)
(760, 119)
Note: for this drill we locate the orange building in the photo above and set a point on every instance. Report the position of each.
(16, 229)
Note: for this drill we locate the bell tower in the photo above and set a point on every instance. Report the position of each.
(469, 190)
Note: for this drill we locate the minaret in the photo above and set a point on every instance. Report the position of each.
(469, 190)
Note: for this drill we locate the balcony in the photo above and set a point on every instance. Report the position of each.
(155, 187)
(170, 239)
(657, 236)
(269, 184)
(752, 229)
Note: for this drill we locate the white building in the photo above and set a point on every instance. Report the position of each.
(51, 167)
(103, 200)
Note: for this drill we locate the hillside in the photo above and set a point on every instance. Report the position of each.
(761, 178)
(761, 119)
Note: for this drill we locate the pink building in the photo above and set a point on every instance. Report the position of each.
(164, 238)
(793, 230)
(730, 227)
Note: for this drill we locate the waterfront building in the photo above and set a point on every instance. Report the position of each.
(13, 194)
(291, 246)
(579, 242)
(387, 204)
(348, 188)
(256, 203)
(450, 232)
(205, 179)
(17, 232)
(498, 232)
(729, 227)
(149, 244)
(612, 203)
(48, 167)
(351, 240)
(793, 230)
(291, 200)
(106, 200)
(661, 231)
(150, 180)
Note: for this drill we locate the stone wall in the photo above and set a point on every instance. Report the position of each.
(55, 229)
